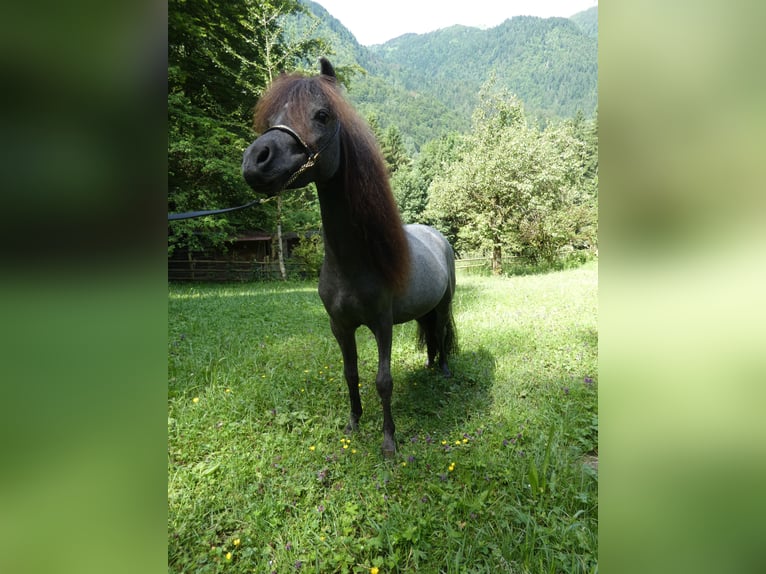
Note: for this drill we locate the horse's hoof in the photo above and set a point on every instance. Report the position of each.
(353, 424)
(388, 449)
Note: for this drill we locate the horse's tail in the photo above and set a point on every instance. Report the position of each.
(450, 335)
(428, 338)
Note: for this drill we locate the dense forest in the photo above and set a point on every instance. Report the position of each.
(490, 135)
(587, 20)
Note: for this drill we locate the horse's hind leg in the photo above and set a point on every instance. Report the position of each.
(347, 341)
(427, 336)
(434, 332)
(444, 333)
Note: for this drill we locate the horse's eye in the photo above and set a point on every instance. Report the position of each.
(322, 117)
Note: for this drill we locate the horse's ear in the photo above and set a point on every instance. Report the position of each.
(326, 69)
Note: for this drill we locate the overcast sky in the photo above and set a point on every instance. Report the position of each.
(381, 20)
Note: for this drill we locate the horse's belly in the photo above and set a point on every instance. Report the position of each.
(406, 311)
(426, 289)
(430, 258)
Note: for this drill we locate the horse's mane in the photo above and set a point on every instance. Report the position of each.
(365, 183)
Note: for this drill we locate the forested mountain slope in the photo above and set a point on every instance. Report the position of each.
(427, 84)
(549, 63)
(587, 20)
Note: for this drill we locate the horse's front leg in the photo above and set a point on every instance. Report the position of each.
(384, 383)
(347, 341)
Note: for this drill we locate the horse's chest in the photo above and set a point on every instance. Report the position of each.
(353, 302)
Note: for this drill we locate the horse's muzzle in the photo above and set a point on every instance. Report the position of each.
(269, 162)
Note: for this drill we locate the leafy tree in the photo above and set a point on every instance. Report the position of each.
(393, 150)
(310, 253)
(410, 184)
(221, 56)
(515, 189)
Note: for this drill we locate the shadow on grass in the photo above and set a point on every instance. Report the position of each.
(427, 402)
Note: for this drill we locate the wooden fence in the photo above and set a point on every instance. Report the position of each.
(473, 262)
(221, 270)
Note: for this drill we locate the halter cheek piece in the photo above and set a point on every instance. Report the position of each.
(313, 156)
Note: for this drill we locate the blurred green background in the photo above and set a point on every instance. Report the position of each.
(682, 297)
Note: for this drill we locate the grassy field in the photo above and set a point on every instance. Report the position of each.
(495, 466)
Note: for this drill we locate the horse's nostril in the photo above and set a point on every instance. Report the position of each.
(263, 157)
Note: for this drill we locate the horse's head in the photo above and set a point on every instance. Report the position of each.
(299, 124)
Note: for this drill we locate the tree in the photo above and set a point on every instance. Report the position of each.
(515, 189)
(221, 57)
(393, 150)
(410, 184)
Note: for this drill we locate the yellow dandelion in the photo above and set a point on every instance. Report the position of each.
(312, 448)
(457, 442)
(228, 556)
(236, 542)
(345, 446)
(444, 442)
(451, 467)
(465, 440)
(404, 463)
(374, 570)
(195, 400)
(228, 390)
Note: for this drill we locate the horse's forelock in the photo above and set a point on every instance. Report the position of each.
(299, 92)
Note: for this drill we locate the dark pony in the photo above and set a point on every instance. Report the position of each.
(376, 272)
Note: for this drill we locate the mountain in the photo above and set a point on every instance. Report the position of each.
(427, 84)
(587, 20)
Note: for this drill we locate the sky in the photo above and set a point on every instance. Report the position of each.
(379, 21)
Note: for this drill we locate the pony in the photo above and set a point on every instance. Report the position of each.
(376, 272)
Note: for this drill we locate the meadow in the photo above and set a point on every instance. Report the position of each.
(496, 469)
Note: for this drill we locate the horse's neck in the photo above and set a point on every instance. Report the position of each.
(344, 239)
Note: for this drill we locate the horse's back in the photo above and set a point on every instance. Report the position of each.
(432, 273)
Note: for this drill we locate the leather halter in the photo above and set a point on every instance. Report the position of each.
(313, 155)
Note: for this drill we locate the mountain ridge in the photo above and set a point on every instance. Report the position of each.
(421, 84)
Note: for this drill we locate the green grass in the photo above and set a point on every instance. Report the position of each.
(491, 474)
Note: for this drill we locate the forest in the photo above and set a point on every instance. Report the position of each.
(501, 155)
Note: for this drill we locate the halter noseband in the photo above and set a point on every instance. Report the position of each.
(312, 155)
(312, 158)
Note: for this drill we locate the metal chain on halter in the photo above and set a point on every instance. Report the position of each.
(309, 163)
